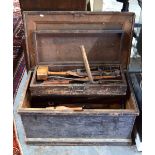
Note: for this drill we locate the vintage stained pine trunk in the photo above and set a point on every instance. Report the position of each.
(108, 110)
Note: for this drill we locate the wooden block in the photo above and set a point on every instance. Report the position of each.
(62, 108)
(42, 73)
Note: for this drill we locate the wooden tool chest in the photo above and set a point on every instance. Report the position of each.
(60, 104)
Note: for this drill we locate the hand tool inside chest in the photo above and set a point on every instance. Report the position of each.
(87, 76)
(107, 80)
(81, 54)
(100, 74)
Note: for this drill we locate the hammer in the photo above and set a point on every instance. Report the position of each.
(43, 72)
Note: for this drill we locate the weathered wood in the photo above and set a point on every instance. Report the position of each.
(78, 141)
(108, 87)
(103, 126)
(106, 40)
(105, 44)
(47, 126)
(108, 109)
(65, 44)
(77, 89)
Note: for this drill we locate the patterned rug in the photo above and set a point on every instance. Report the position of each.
(18, 35)
(18, 62)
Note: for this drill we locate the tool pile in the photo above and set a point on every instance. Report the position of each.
(92, 75)
(77, 76)
(100, 79)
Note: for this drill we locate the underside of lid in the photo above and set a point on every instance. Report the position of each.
(55, 37)
(63, 46)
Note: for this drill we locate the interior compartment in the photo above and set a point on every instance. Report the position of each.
(84, 102)
(101, 87)
(87, 103)
(59, 49)
(92, 103)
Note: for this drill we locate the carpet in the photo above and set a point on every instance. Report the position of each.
(18, 35)
(18, 62)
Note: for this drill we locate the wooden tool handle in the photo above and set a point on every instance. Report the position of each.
(69, 108)
(87, 67)
(56, 82)
(104, 77)
(62, 108)
(57, 73)
(95, 78)
(64, 73)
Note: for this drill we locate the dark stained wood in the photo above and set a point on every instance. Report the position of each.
(53, 5)
(52, 39)
(71, 126)
(63, 46)
(108, 87)
(90, 126)
(106, 46)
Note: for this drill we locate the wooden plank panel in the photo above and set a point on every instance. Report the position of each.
(47, 126)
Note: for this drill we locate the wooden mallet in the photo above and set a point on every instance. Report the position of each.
(43, 73)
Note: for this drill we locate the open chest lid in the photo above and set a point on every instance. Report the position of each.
(55, 37)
